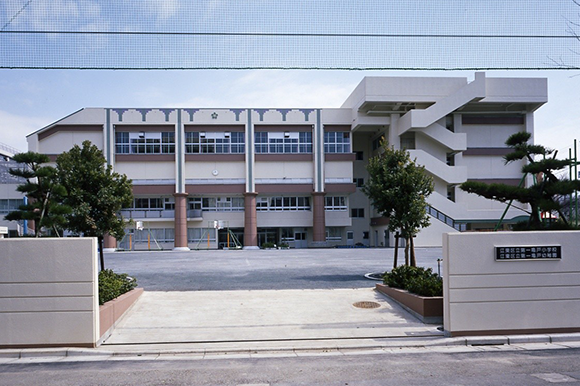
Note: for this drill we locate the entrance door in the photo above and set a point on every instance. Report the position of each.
(267, 235)
(349, 238)
(300, 240)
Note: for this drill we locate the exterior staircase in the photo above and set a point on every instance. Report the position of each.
(433, 212)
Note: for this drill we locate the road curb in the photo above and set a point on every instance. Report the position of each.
(305, 348)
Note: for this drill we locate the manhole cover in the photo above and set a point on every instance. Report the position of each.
(366, 305)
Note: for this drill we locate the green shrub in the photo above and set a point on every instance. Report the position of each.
(418, 280)
(400, 276)
(113, 285)
(268, 245)
(428, 286)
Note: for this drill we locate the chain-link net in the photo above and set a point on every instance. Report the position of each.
(327, 34)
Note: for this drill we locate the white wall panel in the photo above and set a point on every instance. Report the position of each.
(486, 296)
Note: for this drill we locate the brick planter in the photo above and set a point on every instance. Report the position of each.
(113, 310)
(428, 310)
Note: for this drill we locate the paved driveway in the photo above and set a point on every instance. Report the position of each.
(279, 297)
(260, 269)
(278, 317)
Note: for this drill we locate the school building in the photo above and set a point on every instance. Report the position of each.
(207, 177)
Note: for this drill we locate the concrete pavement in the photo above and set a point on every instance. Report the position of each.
(267, 315)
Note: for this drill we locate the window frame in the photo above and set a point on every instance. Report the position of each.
(294, 142)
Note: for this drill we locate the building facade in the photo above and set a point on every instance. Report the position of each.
(207, 177)
(10, 198)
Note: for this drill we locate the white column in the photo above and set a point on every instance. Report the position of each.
(393, 137)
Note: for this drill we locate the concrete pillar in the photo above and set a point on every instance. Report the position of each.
(180, 222)
(110, 243)
(250, 221)
(318, 220)
(393, 136)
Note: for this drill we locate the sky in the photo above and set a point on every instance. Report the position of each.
(486, 34)
(32, 99)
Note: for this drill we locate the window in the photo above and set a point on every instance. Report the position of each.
(169, 203)
(9, 205)
(279, 204)
(335, 203)
(359, 155)
(217, 204)
(195, 235)
(336, 142)
(365, 235)
(168, 142)
(408, 141)
(451, 192)
(286, 234)
(122, 142)
(283, 143)
(449, 123)
(199, 142)
(161, 235)
(262, 203)
(357, 212)
(359, 182)
(145, 143)
(451, 159)
(147, 203)
(333, 234)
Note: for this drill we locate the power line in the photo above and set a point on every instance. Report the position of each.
(292, 34)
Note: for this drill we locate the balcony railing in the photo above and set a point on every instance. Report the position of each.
(148, 213)
(194, 213)
(157, 213)
(461, 227)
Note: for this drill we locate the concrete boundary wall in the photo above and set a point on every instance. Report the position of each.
(485, 296)
(48, 292)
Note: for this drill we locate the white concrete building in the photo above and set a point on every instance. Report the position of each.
(10, 198)
(294, 175)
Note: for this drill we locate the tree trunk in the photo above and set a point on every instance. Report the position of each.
(396, 249)
(101, 255)
(407, 251)
(535, 220)
(413, 260)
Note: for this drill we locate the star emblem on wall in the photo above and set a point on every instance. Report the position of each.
(214, 115)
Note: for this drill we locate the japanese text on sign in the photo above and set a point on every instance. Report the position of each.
(527, 253)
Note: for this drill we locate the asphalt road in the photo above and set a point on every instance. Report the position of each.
(260, 269)
(492, 366)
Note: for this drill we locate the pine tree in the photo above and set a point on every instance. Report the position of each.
(544, 195)
(45, 195)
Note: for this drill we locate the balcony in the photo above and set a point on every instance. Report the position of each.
(194, 215)
(158, 214)
(149, 214)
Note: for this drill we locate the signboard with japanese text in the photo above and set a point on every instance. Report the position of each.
(538, 252)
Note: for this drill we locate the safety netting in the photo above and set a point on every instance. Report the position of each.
(303, 34)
